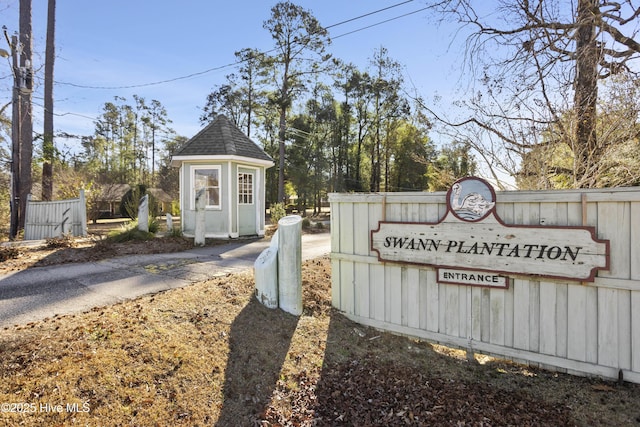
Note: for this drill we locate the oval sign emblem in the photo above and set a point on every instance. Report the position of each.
(471, 199)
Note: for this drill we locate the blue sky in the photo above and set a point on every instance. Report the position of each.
(119, 43)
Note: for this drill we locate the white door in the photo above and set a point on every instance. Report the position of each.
(246, 202)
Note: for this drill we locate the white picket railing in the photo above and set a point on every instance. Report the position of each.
(52, 219)
(585, 328)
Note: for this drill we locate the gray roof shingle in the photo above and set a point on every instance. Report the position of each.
(222, 138)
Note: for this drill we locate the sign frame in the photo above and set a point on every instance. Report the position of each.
(459, 278)
(471, 236)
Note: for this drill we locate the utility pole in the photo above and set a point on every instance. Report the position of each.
(21, 127)
(26, 117)
(15, 135)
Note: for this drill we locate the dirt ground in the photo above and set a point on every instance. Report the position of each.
(210, 354)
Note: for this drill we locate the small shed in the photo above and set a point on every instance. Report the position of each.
(163, 199)
(231, 168)
(110, 196)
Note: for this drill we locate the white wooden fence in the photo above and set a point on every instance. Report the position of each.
(581, 328)
(53, 219)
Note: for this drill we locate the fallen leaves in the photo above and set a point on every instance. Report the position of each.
(211, 354)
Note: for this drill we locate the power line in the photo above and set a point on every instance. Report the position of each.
(233, 64)
(380, 23)
(199, 73)
(368, 14)
(64, 114)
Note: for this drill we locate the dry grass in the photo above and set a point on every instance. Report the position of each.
(209, 354)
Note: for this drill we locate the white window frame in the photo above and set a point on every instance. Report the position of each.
(242, 187)
(194, 190)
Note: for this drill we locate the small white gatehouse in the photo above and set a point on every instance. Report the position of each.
(230, 167)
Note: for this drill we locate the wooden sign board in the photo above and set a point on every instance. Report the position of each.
(472, 277)
(472, 237)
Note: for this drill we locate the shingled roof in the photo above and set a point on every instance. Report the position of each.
(222, 138)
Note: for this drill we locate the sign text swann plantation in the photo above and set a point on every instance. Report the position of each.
(472, 237)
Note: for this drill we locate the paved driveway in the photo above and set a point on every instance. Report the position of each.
(42, 292)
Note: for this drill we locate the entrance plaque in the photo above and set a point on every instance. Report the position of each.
(471, 236)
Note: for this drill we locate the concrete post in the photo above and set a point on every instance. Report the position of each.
(290, 264)
(169, 223)
(200, 220)
(143, 214)
(265, 272)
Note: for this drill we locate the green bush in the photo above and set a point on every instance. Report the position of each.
(277, 212)
(154, 224)
(175, 208)
(128, 233)
(131, 201)
(174, 232)
(306, 223)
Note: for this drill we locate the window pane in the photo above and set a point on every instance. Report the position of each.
(245, 188)
(206, 177)
(214, 196)
(209, 180)
(213, 178)
(201, 180)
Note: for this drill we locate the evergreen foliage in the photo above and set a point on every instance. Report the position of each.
(131, 201)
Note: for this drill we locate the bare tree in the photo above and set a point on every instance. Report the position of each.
(555, 54)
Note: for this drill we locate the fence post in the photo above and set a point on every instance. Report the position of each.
(82, 211)
(290, 264)
(27, 221)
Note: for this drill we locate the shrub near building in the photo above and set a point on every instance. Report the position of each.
(131, 201)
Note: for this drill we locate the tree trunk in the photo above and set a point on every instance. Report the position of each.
(358, 158)
(48, 147)
(586, 93)
(281, 152)
(284, 103)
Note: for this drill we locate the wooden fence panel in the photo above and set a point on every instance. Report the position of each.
(634, 253)
(53, 219)
(362, 295)
(377, 292)
(635, 331)
(614, 224)
(589, 328)
(433, 301)
(548, 318)
(577, 306)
